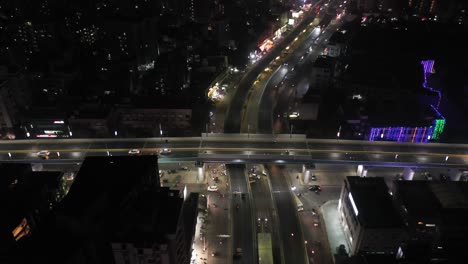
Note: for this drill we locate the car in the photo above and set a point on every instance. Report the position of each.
(212, 188)
(165, 151)
(315, 188)
(313, 178)
(43, 154)
(255, 175)
(134, 152)
(184, 168)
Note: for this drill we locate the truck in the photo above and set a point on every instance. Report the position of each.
(299, 205)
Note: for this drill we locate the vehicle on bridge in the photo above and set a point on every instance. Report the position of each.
(43, 154)
(165, 151)
(134, 152)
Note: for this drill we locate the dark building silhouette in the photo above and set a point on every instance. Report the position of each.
(116, 212)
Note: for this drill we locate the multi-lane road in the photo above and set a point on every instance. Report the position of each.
(242, 219)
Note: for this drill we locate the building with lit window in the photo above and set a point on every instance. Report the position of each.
(336, 44)
(322, 73)
(151, 121)
(45, 123)
(436, 214)
(26, 198)
(424, 7)
(116, 212)
(371, 223)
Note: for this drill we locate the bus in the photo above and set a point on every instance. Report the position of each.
(265, 252)
(299, 205)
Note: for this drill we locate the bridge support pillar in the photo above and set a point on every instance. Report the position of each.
(454, 174)
(201, 171)
(361, 171)
(408, 174)
(307, 172)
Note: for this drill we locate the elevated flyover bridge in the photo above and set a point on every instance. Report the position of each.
(243, 148)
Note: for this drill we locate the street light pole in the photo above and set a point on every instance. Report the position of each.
(160, 131)
(206, 129)
(291, 130)
(338, 133)
(248, 130)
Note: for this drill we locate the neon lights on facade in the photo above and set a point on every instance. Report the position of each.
(428, 66)
(415, 134)
(401, 134)
(439, 128)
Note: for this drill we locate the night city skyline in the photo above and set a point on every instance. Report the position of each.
(233, 131)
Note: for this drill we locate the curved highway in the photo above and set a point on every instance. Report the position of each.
(237, 104)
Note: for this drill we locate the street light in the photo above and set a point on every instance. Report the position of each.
(160, 131)
(339, 132)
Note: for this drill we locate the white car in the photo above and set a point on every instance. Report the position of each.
(212, 188)
(165, 151)
(134, 152)
(43, 153)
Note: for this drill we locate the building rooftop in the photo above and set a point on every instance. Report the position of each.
(399, 112)
(110, 178)
(323, 62)
(373, 202)
(25, 197)
(22, 191)
(449, 200)
(337, 37)
(152, 216)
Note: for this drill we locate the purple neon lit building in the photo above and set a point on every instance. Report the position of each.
(402, 134)
(418, 133)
